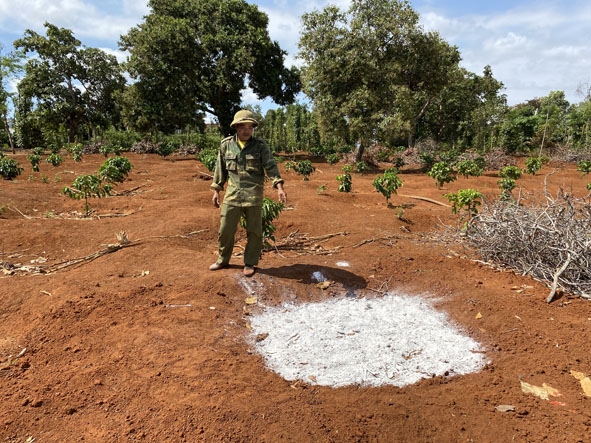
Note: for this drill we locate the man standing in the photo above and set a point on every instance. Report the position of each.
(242, 162)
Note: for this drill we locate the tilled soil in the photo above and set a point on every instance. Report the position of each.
(139, 341)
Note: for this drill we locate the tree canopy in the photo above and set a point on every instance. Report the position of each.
(372, 69)
(67, 84)
(191, 57)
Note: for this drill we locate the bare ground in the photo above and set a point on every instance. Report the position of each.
(140, 342)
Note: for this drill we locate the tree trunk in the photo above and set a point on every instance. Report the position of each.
(360, 151)
(10, 141)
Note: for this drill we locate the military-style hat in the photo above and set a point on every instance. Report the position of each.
(244, 116)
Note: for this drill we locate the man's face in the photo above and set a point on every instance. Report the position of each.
(244, 131)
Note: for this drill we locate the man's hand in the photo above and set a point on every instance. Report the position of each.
(281, 193)
(216, 198)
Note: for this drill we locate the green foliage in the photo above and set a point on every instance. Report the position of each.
(398, 162)
(106, 149)
(443, 173)
(451, 156)
(168, 147)
(383, 155)
(333, 158)
(54, 159)
(466, 199)
(115, 170)
(426, 160)
(208, 157)
(76, 150)
(469, 168)
(507, 185)
(534, 164)
(270, 211)
(320, 189)
(387, 184)
(361, 167)
(302, 167)
(123, 140)
(63, 78)
(35, 160)
(9, 168)
(206, 52)
(85, 187)
(584, 166)
(372, 63)
(511, 172)
(345, 179)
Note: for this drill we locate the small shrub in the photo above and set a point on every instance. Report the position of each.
(466, 199)
(443, 173)
(105, 150)
(271, 211)
(115, 169)
(426, 160)
(469, 168)
(383, 155)
(387, 184)
(507, 185)
(345, 179)
(35, 160)
(333, 158)
(9, 168)
(76, 150)
(512, 172)
(584, 166)
(85, 187)
(168, 147)
(361, 167)
(55, 159)
(209, 158)
(534, 164)
(302, 167)
(450, 156)
(398, 162)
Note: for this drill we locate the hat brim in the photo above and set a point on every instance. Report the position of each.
(244, 120)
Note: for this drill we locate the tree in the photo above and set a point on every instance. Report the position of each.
(10, 65)
(371, 70)
(66, 84)
(467, 111)
(191, 57)
(537, 124)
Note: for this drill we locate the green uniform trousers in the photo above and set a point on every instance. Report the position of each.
(229, 219)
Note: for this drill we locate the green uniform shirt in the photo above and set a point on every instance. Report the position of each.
(244, 171)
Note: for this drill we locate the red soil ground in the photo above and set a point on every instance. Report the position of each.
(145, 344)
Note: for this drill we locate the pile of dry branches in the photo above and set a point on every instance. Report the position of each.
(550, 242)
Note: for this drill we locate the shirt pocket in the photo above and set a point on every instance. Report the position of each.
(253, 163)
(231, 160)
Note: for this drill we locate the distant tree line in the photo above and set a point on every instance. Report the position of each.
(370, 74)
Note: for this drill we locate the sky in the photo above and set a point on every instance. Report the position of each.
(533, 46)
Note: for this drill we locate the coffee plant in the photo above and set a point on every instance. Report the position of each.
(345, 179)
(466, 199)
(115, 169)
(85, 187)
(387, 184)
(443, 173)
(9, 168)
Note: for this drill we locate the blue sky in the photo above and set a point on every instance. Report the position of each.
(533, 47)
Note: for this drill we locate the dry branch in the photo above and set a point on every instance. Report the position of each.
(122, 242)
(551, 242)
(430, 200)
